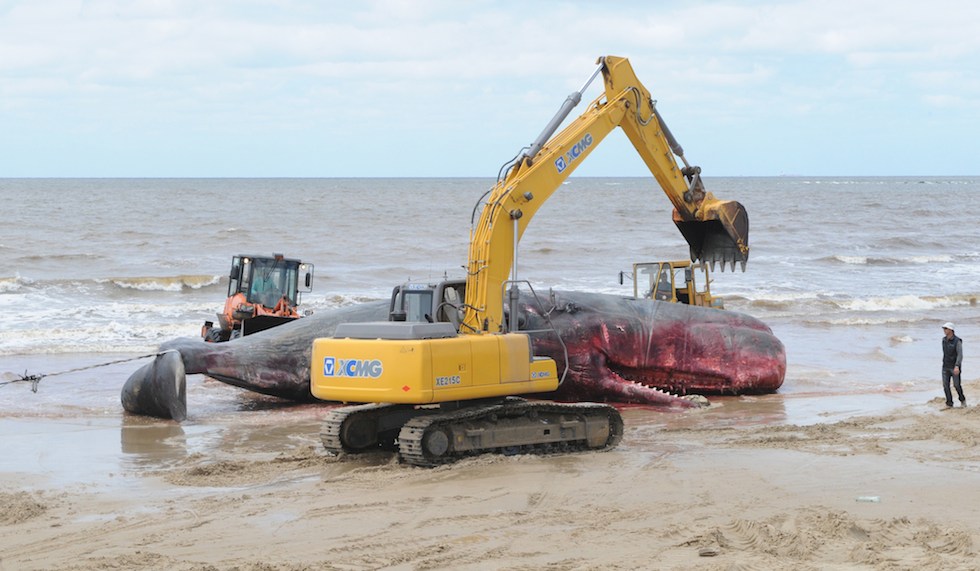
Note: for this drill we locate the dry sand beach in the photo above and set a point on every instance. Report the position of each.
(774, 482)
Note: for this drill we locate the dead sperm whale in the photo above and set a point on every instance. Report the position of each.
(637, 350)
(619, 350)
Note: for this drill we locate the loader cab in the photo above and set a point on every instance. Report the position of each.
(263, 292)
(265, 280)
(417, 302)
(675, 282)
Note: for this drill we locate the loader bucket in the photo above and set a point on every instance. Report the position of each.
(721, 235)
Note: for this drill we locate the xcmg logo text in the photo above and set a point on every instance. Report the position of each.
(562, 162)
(333, 367)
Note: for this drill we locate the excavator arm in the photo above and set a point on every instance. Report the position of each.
(715, 230)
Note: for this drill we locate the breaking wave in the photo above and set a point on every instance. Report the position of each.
(816, 303)
(886, 260)
(14, 284)
(174, 283)
(20, 284)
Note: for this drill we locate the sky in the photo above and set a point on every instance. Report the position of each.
(443, 88)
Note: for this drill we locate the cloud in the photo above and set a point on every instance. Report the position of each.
(469, 79)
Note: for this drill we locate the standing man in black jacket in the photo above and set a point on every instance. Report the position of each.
(952, 360)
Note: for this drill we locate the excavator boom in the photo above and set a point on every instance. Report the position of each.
(716, 231)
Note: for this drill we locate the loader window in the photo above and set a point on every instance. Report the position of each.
(644, 277)
(265, 289)
(682, 277)
(271, 279)
(291, 284)
(235, 276)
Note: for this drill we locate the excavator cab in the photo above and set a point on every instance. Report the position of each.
(442, 302)
(674, 281)
(263, 292)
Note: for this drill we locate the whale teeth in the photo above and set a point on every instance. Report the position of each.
(648, 387)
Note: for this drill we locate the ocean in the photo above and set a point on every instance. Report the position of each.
(854, 275)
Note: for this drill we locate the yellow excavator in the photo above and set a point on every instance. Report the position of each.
(440, 378)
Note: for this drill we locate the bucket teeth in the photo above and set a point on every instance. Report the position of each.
(727, 260)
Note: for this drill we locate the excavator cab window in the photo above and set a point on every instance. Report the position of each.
(451, 305)
(442, 302)
(411, 302)
(418, 305)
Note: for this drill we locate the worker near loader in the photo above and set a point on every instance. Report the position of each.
(952, 361)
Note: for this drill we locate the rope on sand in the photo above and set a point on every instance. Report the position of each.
(35, 379)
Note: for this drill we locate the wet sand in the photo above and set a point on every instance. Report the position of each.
(865, 480)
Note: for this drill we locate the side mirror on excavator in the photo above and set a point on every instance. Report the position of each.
(621, 275)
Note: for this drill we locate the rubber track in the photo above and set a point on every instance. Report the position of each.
(412, 433)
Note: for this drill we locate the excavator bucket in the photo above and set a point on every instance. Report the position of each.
(721, 235)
